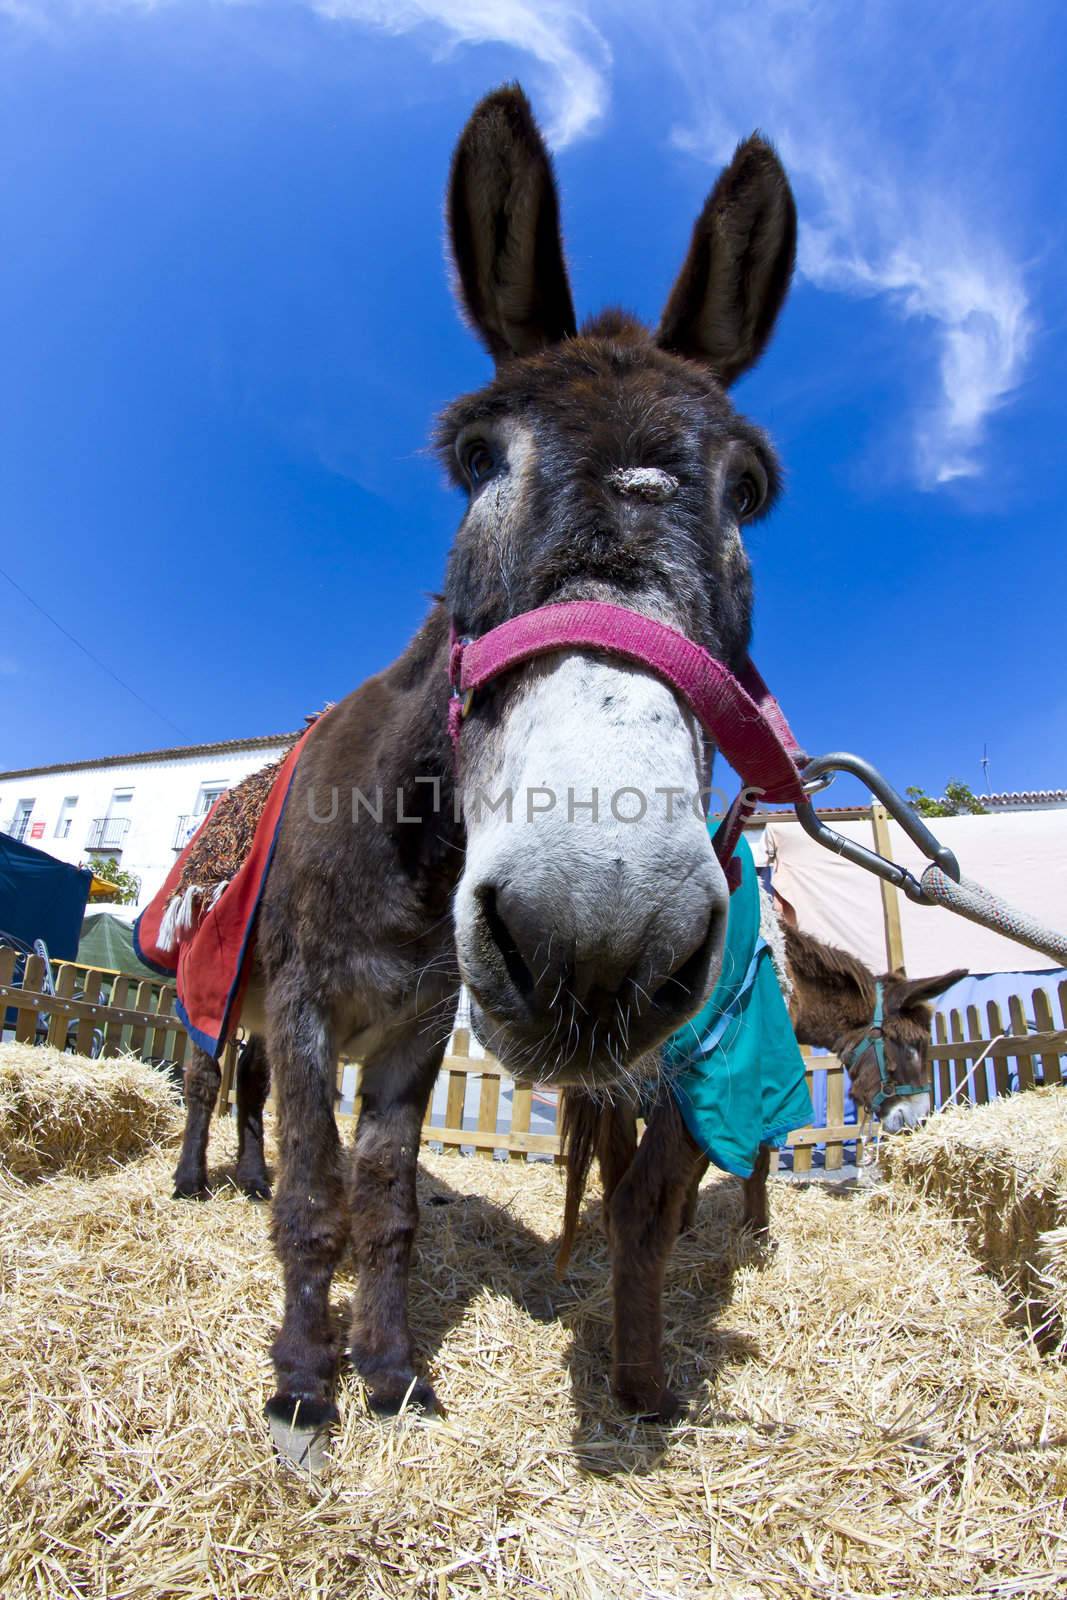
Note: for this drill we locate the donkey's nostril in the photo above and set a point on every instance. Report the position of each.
(685, 980)
(497, 928)
(688, 979)
(527, 959)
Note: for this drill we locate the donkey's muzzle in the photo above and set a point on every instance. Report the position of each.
(595, 990)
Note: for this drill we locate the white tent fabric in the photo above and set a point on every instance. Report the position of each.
(1019, 855)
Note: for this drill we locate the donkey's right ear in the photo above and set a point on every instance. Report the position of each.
(729, 292)
(503, 219)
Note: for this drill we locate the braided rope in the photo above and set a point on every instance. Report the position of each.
(970, 900)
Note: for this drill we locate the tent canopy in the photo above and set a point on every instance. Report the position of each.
(1019, 855)
(101, 889)
(107, 942)
(41, 898)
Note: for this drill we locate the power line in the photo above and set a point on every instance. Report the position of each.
(94, 659)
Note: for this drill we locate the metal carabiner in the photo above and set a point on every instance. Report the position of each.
(826, 768)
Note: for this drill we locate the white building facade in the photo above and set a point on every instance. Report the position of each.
(138, 810)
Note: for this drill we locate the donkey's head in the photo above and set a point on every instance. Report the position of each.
(602, 463)
(835, 1004)
(905, 1031)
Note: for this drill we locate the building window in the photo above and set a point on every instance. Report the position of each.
(188, 824)
(209, 793)
(21, 821)
(66, 816)
(108, 833)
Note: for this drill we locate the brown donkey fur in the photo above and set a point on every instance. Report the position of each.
(583, 946)
(833, 1002)
(202, 1079)
(832, 1005)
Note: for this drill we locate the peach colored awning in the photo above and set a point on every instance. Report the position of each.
(1020, 855)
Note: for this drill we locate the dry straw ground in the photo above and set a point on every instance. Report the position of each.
(865, 1420)
(1051, 1283)
(1002, 1169)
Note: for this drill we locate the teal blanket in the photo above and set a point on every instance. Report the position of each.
(735, 1069)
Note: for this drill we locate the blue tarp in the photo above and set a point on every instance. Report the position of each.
(41, 898)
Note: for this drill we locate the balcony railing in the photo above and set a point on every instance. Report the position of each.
(187, 826)
(108, 833)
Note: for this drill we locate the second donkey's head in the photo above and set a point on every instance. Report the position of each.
(602, 462)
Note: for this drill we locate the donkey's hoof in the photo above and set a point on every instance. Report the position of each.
(254, 1188)
(659, 1405)
(757, 1244)
(300, 1429)
(191, 1189)
(388, 1395)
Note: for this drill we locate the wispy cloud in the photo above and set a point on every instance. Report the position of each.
(898, 198)
(560, 36)
(881, 112)
(572, 59)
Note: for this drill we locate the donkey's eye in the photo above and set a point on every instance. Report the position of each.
(478, 462)
(747, 496)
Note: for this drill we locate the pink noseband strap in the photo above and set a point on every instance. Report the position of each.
(740, 714)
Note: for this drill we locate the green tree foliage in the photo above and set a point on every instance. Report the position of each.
(127, 886)
(958, 800)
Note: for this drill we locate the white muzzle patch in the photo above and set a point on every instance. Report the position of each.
(907, 1112)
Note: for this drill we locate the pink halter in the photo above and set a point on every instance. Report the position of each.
(740, 714)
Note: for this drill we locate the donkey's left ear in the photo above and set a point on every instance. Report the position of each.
(914, 991)
(724, 305)
(503, 218)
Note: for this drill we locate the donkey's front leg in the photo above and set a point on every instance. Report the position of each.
(692, 1196)
(309, 1222)
(202, 1079)
(396, 1086)
(757, 1217)
(253, 1085)
(646, 1210)
(616, 1148)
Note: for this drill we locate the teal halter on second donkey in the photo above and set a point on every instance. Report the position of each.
(874, 1035)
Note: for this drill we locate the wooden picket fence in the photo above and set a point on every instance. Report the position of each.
(95, 1005)
(485, 1111)
(480, 1118)
(973, 1057)
(476, 1115)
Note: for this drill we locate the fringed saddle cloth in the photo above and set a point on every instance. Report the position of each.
(200, 927)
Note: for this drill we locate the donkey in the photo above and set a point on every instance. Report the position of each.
(202, 1080)
(833, 1003)
(602, 463)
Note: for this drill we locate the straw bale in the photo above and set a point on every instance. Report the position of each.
(63, 1112)
(1002, 1169)
(1051, 1266)
(864, 1421)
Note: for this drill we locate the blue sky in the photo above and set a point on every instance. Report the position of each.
(226, 327)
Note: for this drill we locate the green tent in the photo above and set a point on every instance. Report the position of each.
(107, 941)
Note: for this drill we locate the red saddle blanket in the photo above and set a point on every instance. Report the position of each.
(212, 958)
